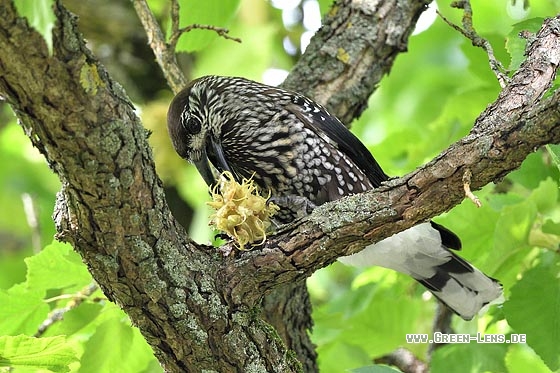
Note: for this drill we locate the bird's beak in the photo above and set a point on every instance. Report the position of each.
(218, 152)
(203, 164)
(203, 167)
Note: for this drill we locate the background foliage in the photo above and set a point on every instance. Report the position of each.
(431, 99)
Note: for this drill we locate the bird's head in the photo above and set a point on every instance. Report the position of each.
(194, 124)
(184, 123)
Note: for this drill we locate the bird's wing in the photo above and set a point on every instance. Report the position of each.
(333, 131)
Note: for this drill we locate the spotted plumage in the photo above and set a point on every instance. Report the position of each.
(292, 147)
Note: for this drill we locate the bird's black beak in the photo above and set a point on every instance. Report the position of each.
(218, 155)
(214, 153)
(203, 167)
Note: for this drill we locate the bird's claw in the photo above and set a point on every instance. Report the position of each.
(299, 205)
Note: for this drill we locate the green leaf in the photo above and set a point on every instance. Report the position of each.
(339, 356)
(472, 357)
(535, 168)
(52, 353)
(516, 232)
(515, 44)
(353, 327)
(554, 151)
(218, 13)
(545, 196)
(332, 317)
(40, 15)
(475, 227)
(511, 241)
(22, 310)
(520, 358)
(79, 320)
(57, 266)
(551, 227)
(380, 330)
(126, 352)
(532, 309)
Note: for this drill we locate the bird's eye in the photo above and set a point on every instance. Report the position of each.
(192, 125)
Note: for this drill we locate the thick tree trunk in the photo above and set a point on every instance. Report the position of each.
(288, 309)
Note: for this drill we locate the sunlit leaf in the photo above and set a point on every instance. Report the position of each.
(339, 356)
(532, 309)
(57, 266)
(22, 310)
(469, 358)
(521, 359)
(535, 168)
(51, 353)
(554, 151)
(116, 346)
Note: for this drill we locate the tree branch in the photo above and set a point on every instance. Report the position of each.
(470, 33)
(112, 207)
(58, 313)
(404, 360)
(163, 51)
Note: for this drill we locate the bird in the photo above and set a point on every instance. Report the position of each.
(294, 149)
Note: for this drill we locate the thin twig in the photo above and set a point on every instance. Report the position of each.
(177, 31)
(403, 359)
(175, 23)
(58, 314)
(165, 56)
(223, 32)
(165, 50)
(442, 324)
(469, 32)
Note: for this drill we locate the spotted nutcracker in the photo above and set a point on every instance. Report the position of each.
(292, 147)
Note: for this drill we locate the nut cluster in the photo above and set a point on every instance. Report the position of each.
(241, 212)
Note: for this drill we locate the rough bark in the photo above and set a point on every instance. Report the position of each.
(198, 310)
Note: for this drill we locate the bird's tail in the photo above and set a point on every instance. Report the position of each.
(422, 253)
(462, 287)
